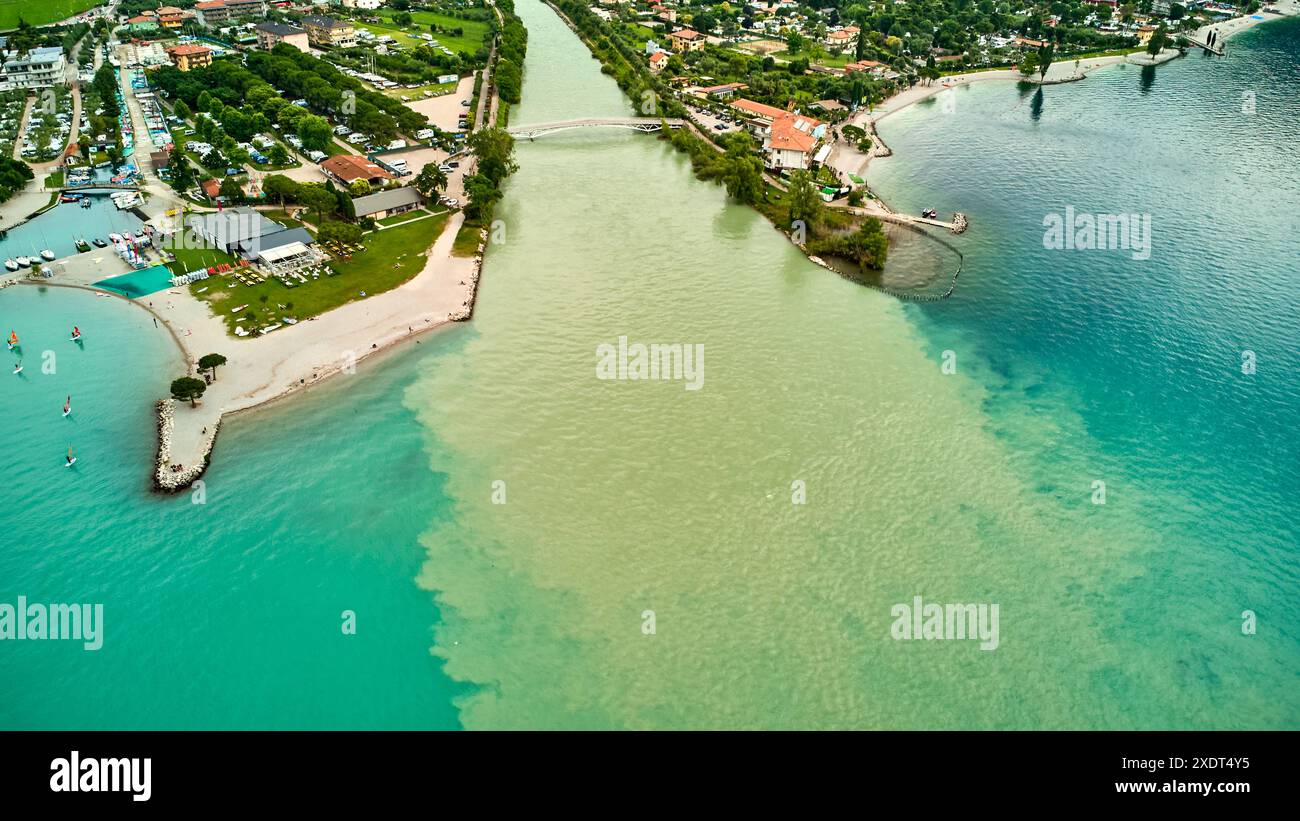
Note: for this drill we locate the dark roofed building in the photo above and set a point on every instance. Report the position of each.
(387, 203)
(233, 227)
(253, 248)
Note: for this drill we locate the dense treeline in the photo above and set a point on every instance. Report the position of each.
(14, 174)
(511, 48)
(254, 90)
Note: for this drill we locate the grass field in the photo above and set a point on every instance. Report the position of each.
(466, 243)
(471, 41)
(38, 14)
(391, 257)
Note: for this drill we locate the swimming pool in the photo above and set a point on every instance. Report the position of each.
(139, 283)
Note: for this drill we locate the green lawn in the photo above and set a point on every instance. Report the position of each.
(466, 244)
(398, 219)
(471, 41)
(639, 33)
(390, 258)
(54, 180)
(38, 14)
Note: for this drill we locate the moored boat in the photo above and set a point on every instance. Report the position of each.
(23, 262)
(47, 255)
(99, 243)
(11, 264)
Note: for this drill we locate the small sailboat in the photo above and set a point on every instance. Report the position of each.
(82, 246)
(11, 264)
(47, 255)
(13, 340)
(23, 262)
(76, 334)
(72, 460)
(67, 406)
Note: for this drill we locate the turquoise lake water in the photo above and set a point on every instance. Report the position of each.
(1082, 365)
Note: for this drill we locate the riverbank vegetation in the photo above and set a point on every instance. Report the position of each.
(734, 162)
(494, 149)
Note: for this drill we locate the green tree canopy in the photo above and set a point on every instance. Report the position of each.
(188, 389)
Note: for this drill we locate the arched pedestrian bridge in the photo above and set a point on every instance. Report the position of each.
(644, 124)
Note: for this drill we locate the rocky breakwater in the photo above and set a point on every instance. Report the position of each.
(168, 476)
(466, 311)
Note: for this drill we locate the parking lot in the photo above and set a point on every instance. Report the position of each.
(712, 122)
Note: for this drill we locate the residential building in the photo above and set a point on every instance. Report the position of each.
(759, 114)
(366, 5)
(842, 38)
(791, 141)
(270, 35)
(869, 66)
(148, 21)
(387, 203)
(657, 61)
(326, 31)
(213, 13)
(38, 68)
(170, 17)
(685, 40)
(789, 138)
(348, 168)
(190, 55)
